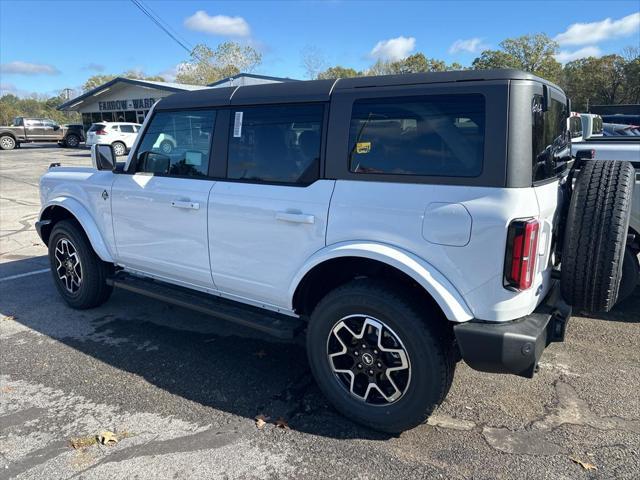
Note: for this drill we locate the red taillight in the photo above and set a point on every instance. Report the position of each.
(522, 249)
(100, 132)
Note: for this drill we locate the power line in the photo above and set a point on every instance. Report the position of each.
(166, 30)
(165, 23)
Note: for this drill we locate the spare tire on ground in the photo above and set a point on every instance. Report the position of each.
(596, 234)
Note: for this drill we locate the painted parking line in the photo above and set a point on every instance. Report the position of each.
(21, 275)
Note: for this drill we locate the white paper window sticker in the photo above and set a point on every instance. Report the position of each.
(237, 125)
(193, 158)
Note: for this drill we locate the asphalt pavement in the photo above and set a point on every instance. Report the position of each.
(181, 391)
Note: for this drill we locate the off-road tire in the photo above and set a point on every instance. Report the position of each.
(630, 274)
(595, 236)
(423, 332)
(119, 147)
(7, 142)
(93, 290)
(72, 141)
(166, 147)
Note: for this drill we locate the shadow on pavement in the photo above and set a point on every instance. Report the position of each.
(199, 358)
(626, 311)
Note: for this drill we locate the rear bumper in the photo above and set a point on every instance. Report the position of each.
(514, 347)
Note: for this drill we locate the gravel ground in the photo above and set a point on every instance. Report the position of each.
(181, 391)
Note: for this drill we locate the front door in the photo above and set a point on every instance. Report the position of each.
(270, 215)
(160, 206)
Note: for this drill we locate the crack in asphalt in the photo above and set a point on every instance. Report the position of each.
(26, 225)
(20, 202)
(570, 410)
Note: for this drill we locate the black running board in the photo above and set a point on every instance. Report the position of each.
(272, 323)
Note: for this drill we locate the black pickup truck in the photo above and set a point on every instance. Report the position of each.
(26, 130)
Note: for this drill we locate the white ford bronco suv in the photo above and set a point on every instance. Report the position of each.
(402, 222)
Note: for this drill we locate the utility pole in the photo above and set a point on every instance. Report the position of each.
(67, 95)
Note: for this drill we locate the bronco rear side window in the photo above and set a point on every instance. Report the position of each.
(439, 135)
(551, 145)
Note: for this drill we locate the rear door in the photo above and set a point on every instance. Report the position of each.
(160, 205)
(270, 214)
(128, 134)
(51, 130)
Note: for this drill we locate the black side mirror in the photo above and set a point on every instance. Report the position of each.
(56, 127)
(103, 157)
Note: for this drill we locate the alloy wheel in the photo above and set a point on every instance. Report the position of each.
(118, 149)
(369, 360)
(8, 143)
(68, 266)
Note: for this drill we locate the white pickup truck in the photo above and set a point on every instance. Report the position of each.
(592, 145)
(401, 222)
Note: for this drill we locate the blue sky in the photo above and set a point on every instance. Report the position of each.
(46, 46)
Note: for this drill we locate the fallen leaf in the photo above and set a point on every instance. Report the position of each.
(260, 354)
(8, 318)
(585, 465)
(261, 421)
(83, 442)
(282, 423)
(7, 389)
(107, 438)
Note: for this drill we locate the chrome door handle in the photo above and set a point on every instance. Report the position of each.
(295, 217)
(185, 204)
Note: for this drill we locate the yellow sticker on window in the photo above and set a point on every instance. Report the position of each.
(363, 147)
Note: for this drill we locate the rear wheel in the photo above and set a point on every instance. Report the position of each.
(7, 142)
(79, 274)
(377, 358)
(119, 148)
(72, 141)
(596, 233)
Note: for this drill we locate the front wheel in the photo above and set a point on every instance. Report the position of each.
(119, 148)
(79, 274)
(7, 142)
(377, 358)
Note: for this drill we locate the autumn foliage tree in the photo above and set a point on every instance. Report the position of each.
(208, 65)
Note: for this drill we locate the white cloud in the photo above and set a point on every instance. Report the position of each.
(94, 67)
(201, 21)
(594, 32)
(393, 49)
(564, 56)
(170, 73)
(471, 45)
(26, 68)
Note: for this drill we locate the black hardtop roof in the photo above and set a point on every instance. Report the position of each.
(320, 90)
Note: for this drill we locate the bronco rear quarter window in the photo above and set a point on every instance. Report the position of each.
(439, 135)
(550, 139)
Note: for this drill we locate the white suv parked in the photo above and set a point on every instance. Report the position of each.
(120, 135)
(402, 222)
